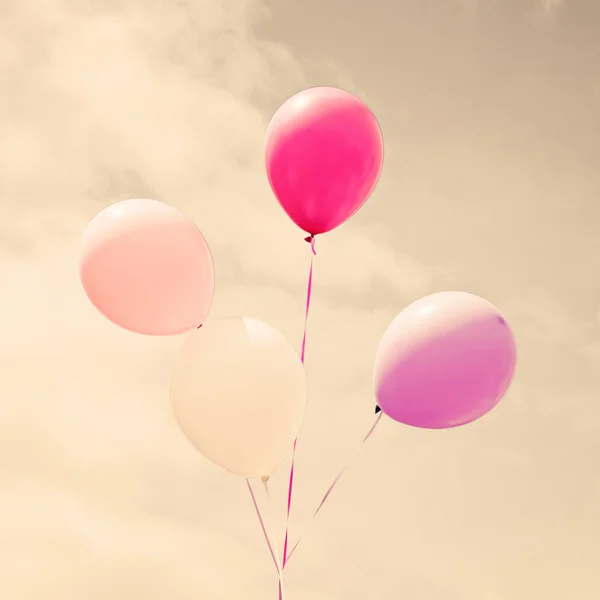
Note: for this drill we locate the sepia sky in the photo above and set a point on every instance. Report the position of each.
(490, 111)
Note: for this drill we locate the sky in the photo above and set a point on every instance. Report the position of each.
(490, 112)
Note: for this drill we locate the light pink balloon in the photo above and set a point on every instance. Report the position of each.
(323, 154)
(147, 268)
(444, 361)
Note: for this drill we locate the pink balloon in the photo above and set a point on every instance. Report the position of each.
(147, 268)
(324, 154)
(444, 361)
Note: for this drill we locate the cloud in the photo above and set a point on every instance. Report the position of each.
(103, 101)
(106, 100)
(101, 495)
(551, 6)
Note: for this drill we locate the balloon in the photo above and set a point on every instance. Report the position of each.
(147, 268)
(238, 392)
(324, 154)
(444, 361)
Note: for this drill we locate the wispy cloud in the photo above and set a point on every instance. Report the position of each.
(104, 101)
(551, 6)
(101, 495)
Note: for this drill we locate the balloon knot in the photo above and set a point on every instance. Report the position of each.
(311, 240)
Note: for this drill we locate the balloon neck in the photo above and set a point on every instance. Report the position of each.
(311, 240)
(377, 409)
(265, 478)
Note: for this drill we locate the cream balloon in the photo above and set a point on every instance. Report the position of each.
(238, 391)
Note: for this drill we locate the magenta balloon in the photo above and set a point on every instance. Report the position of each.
(147, 267)
(444, 361)
(324, 154)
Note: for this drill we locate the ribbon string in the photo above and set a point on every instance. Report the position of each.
(267, 539)
(265, 482)
(311, 240)
(335, 482)
(263, 527)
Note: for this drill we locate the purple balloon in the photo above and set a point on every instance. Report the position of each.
(444, 361)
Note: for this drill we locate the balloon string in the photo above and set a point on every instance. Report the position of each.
(265, 482)
(311, 240)
(264, 529)
(337, 478)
